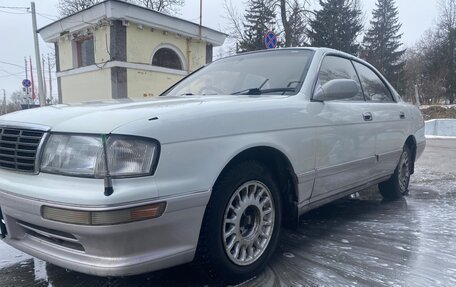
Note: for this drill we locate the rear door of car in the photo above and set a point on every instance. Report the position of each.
(389, 118)
(345, 141)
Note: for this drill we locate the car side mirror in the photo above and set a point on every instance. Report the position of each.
(338, 89)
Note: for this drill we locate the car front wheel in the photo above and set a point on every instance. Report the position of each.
(241, 224)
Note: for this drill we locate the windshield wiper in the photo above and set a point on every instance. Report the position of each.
(257, 91)
(252, 91)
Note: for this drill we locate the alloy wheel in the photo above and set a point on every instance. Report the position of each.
(248, 223)
(404, 172)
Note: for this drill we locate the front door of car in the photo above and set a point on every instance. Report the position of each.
(390, 120)
(345, 142)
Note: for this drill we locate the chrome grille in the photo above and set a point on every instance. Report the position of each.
(19, 148)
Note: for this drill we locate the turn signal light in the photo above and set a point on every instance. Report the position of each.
(110, 217)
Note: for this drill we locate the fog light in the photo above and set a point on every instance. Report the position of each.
(110, 217)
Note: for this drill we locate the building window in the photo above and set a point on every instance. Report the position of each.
(167, 58)
(85, 51)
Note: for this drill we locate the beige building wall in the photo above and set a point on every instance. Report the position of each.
(101, 40)
(141, 84)
(89, 86)
(197, 54)
(67, 49)
(65, 54)
(141, 44)
(144, 84)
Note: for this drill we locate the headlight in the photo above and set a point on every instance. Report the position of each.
(82, 155)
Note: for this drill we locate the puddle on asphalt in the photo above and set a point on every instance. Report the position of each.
(359, 240)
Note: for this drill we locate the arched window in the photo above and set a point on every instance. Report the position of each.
(167, 58)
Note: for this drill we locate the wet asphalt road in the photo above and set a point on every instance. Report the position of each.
(357, 241)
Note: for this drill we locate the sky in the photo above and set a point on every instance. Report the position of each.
(16, 36)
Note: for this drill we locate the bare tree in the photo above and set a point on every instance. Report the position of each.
(447, 35)
(69, 7)
(294, 16)
(413, 75)
(427, 69)
(234, 18)
(14, 102)
(447, 15)
(164, 6)
(431, 64)
(292, 23)
(421, 75)
(235, 28)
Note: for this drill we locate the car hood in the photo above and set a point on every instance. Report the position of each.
(104, 117)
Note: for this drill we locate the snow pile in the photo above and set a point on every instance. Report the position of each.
(438, 112)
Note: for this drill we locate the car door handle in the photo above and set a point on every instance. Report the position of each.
(367, 116)
(401, 115)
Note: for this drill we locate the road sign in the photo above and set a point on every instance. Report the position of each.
(27, 90)
(26, 83)
(270, 40)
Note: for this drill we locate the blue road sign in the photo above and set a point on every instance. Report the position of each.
(26, 83)
(270, 40)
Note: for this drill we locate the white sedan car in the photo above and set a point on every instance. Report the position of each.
(210, 170)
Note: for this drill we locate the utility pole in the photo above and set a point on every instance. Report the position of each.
(4, 108)
(201, 21)
(37, 57)
(44, 80)
(33, 83)
(26, 70)
(26, 90)
(50, 80)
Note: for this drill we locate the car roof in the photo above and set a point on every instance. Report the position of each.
(321, 50)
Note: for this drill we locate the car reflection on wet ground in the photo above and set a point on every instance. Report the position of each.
(356, 241)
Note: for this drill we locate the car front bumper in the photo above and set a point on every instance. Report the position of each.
(111, 250)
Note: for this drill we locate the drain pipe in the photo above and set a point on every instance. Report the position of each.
(188, 54)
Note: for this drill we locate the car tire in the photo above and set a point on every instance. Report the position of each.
(245, 203)
(397, 185)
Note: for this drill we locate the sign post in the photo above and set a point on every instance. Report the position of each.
(26, 83)
(26, 88)
(270, 40)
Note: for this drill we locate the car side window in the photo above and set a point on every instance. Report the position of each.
(374, 88)
(335, 68)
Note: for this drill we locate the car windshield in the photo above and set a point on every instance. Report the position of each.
(279, 72)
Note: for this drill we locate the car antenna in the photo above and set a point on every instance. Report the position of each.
(109, 190)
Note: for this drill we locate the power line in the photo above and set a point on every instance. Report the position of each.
(44, 15)
(57, 18)
(14, 7)
(47, 17)
(8, 74)
(12, 64)
(16, 65)
(15, 13)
